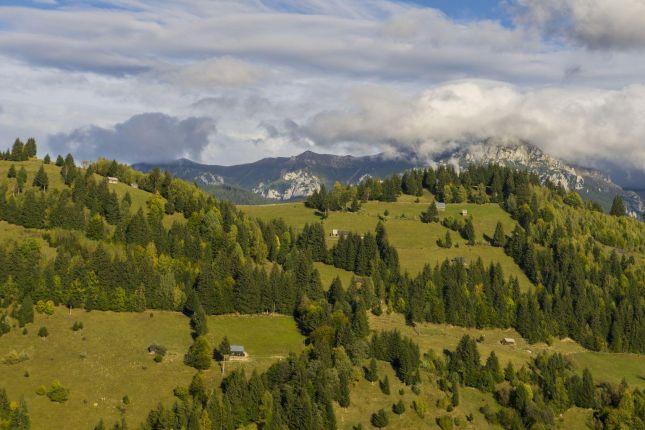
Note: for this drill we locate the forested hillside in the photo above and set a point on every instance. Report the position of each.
(76, 239)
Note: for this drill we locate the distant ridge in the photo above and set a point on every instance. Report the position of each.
(287, 178)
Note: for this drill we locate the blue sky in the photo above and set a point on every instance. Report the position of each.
(245, 79)
(467, 9)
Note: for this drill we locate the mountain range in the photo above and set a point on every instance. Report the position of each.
(287, 178)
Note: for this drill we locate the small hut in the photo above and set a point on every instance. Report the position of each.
(237, 351)
(507, 341)
(112, 180)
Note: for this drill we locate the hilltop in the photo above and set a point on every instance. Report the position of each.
(286, 178)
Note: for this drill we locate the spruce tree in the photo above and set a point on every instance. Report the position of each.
(617, 207)
(21, 178)
(17, 151)
(41, 181)
(11, 173)
(198, 320)
(30, 150)
(47, 159)
(468, 231)
(59, 161)
(587, 394)
(499, 238)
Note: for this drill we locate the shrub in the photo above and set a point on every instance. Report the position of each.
(41, 391)
(13, 357)
(158, 358)
(379, 419)
(420, 407)
(58, 393)
(126, 400)
(416, 389)
(78, 325)
(43, 332)
(45, 307)
(199, 354)
(399, 407)
(445, 422)
(180, 392)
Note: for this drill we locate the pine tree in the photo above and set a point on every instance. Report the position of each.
(198, 320)
(587, 394)
(468, 231)
(41, 180)
(30, 150)
(11, 173)
(60, 161)
(47, 159)
(617, 207)
(499, 238)
(17, 151)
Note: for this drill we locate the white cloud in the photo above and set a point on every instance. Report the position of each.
(581, 126)
(598, 24)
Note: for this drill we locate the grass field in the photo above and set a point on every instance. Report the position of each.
(32, 166)
(610, 367)
(329, 273)
(116, 361)
(416, 242)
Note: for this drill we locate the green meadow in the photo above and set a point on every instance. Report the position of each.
(108, 359)
(415, 242)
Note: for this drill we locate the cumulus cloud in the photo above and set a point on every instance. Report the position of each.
(150, 137)
(598, 24)
(580, 125)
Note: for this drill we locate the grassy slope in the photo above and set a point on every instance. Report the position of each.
(328, 273)
(366, 398)
(415, 241)
(604, 366)
(118, 363)
(139, 197)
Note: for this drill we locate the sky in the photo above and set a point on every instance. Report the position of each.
(232, 81)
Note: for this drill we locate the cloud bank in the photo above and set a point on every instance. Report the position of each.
(580, 126)
(149, 136)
